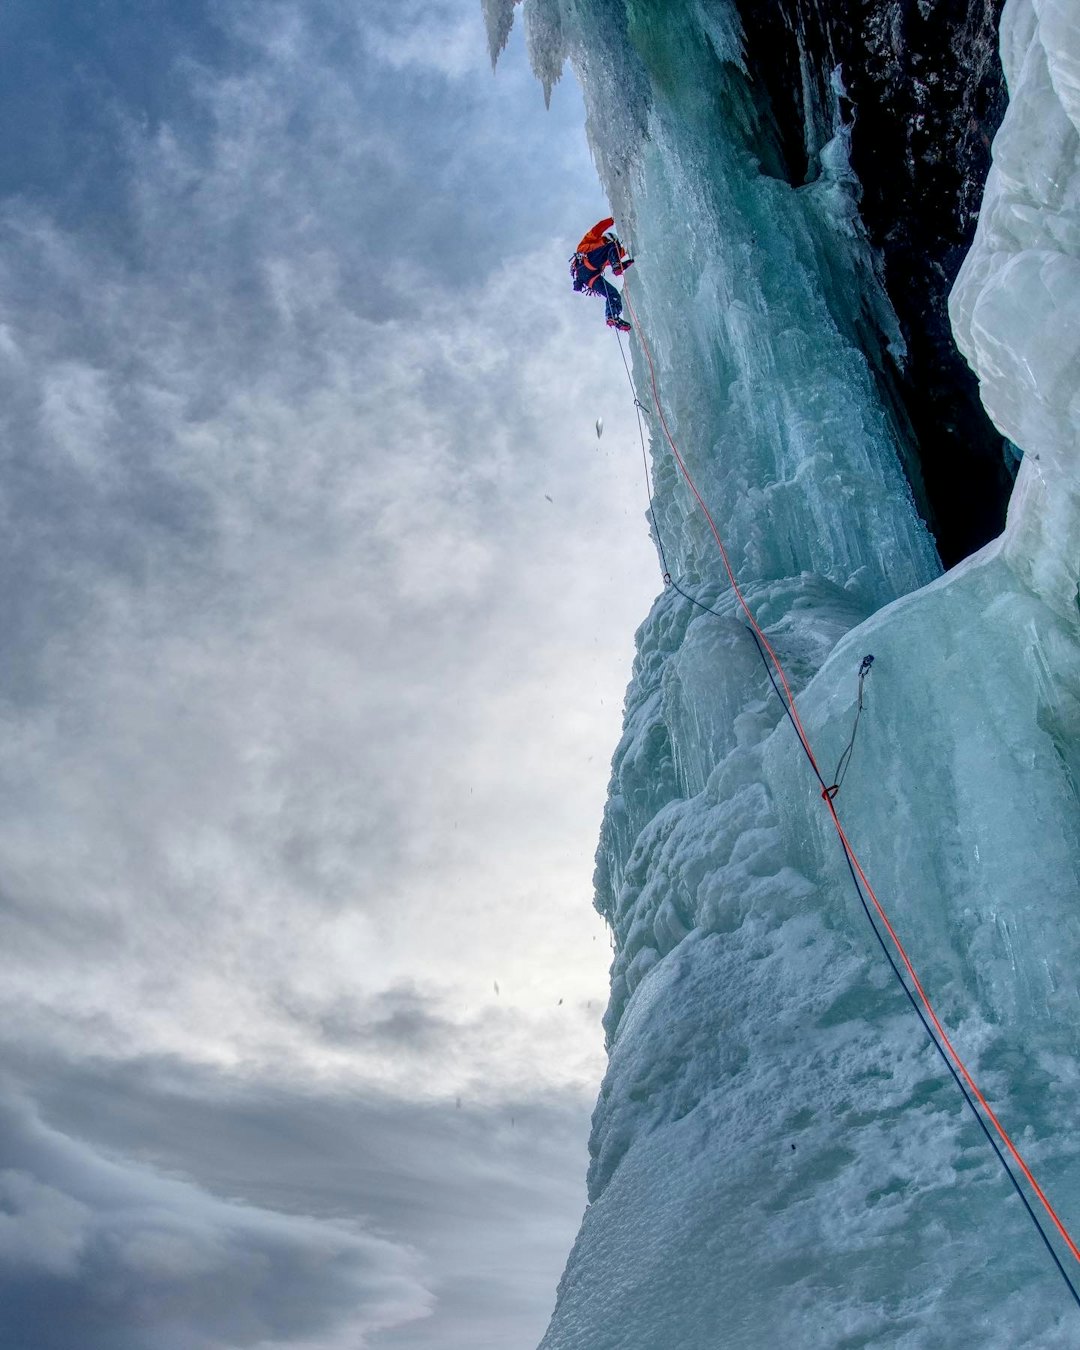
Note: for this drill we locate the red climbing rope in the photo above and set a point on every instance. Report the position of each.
(716, 535)
(924, 999)
(827, 796)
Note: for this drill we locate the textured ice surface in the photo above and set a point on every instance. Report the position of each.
(778, 1156)
(1016, 304)
(499, 19)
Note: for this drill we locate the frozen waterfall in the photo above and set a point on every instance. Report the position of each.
(779, 1157)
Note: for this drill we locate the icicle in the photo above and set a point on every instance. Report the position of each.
(499, 18)
(545, 42)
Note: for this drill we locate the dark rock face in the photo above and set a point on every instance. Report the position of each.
(925, 94)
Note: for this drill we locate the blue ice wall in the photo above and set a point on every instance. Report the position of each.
(779, 1157)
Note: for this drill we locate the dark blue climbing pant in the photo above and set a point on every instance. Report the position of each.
(601, 286)
(589, 276)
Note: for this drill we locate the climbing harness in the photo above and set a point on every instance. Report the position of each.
(922, 1006)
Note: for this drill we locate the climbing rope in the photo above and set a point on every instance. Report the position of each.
(927, 1016)
(845, 758)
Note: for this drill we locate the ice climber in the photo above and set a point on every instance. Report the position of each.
(599, 248)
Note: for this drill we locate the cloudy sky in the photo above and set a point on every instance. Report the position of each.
(317, 609)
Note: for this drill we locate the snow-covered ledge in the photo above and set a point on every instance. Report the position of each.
(1016, 304)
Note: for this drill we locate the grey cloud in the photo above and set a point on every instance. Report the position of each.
(399, 1020)
(99, 1251)
(487, 1192)
(72, 75)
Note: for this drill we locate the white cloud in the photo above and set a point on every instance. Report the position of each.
(435, 36)
(359, 698)
(319, 598)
